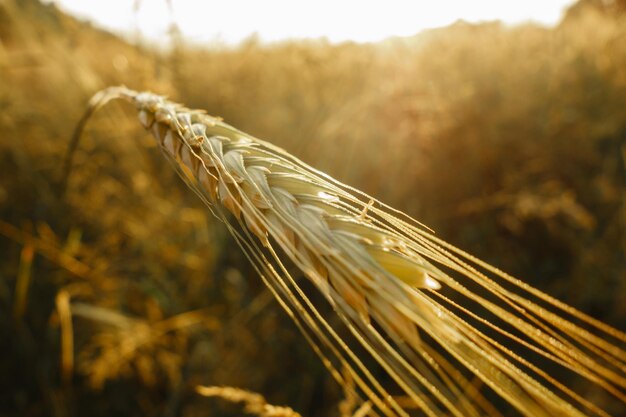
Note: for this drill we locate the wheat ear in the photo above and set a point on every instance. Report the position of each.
(254, 403)
(433, 317)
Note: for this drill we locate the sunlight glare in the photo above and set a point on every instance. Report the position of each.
(275, 20)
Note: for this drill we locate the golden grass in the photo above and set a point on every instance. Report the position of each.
(254, 403)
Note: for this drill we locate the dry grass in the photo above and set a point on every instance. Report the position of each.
(254, 403)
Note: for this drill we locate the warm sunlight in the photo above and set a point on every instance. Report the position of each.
(275, 20)
(312, 208)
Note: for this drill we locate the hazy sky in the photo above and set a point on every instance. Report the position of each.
(231, 21)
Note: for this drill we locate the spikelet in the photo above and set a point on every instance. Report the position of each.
(433, 317)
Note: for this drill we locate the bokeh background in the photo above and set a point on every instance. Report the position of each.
(121, 295)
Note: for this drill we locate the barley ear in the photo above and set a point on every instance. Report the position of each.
(430, 318)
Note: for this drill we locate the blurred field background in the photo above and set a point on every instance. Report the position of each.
(123, 294)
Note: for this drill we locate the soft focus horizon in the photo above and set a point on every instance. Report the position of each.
(233, 22)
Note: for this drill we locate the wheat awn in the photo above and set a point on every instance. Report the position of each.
(434, 318)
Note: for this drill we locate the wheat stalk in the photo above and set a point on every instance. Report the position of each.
(254, 403)
(434, 318)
